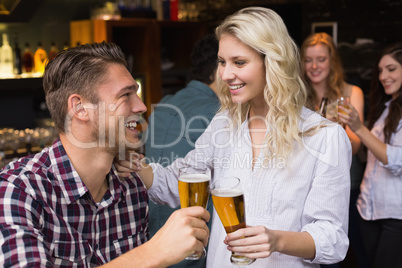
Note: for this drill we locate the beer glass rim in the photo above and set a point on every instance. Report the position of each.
(192, 170)
(216, 184)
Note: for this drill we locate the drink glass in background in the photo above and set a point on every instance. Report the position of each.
(194, 191)
(228, 199)
(343, 102)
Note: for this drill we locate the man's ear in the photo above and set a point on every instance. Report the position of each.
(75, 104)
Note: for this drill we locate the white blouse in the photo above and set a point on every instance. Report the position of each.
(381, 188)
(307, 192)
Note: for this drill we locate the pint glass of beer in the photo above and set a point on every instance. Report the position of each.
(194, 191)
(228, 200)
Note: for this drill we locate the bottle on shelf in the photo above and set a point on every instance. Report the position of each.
(17, 56)
(40, 59)
(174, 10)
(27, 59)
(6, 58)
(66, 46)
(53, 50)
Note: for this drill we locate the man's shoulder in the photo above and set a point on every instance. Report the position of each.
(28, 172)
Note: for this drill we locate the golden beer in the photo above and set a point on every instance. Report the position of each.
(193, 190)
(229, 204)
(230, 207)
(344, 102)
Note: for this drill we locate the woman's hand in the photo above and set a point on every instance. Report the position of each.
(253, 242)
(261, 242)
(350, 117)
(129, 163)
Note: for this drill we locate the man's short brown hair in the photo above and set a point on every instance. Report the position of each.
(77, 70)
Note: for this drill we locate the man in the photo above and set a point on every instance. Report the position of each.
(66, 205)
(178, 120)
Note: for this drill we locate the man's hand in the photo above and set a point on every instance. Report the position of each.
(184, 233)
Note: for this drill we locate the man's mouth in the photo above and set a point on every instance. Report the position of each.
(131, 125)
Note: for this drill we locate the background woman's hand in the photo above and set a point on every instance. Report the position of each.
(350, 117)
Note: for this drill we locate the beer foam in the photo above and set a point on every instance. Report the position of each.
(194, 178)
(226, 192)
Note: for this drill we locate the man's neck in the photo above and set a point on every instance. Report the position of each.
(91, 164)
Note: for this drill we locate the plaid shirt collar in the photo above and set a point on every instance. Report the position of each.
(70, 182)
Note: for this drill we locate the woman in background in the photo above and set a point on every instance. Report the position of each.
(380, 201)
(323, 72)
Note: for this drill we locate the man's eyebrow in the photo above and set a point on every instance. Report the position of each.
(131, 87)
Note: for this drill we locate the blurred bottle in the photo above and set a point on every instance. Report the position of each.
(323, 107)
(174, 10)
(17, 64)
(65, 46)
(53, 50)
(40, 59)
(6, 58)
(27, 59)
(166, 9)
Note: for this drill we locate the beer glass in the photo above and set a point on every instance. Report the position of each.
(228, 200)
(194, 191)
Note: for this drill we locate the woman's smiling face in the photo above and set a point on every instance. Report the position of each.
(317, 63)
(390, 75)
(242, 69)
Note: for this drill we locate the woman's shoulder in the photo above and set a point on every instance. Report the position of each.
(352, 90)
(312, 122)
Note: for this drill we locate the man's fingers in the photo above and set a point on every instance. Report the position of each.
(197, 212)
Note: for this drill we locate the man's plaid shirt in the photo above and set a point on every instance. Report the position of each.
(48, 218)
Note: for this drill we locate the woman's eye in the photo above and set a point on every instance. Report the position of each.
(221, 62)
(240, 62)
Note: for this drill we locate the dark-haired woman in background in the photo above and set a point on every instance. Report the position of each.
(380, 201)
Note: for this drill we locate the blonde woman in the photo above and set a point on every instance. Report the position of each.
(293, 167)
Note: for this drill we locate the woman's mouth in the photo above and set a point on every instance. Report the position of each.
(234, 89)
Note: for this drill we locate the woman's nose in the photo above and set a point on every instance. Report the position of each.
(226, 73)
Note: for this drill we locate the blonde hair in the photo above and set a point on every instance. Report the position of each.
(335, 81)
(285, 94)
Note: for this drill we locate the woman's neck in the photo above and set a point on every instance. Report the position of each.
(320, 91)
